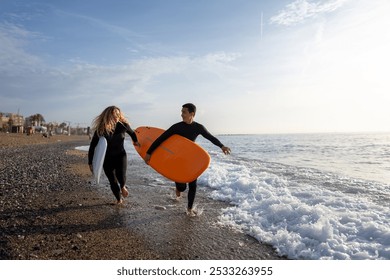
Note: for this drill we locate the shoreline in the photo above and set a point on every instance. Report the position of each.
(19, 139)
(51, 209)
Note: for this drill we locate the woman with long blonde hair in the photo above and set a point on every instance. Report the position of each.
(112, 125)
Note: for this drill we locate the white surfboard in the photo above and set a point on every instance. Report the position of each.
(98, 158)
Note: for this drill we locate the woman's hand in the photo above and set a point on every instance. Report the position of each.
(137, 144)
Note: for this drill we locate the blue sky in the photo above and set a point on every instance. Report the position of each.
(249, 66)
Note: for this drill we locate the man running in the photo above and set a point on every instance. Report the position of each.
(189, 129)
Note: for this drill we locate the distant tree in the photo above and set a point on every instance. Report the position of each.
(37, 119)
(63, 125)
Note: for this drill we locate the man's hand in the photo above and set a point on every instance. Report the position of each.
(147, 159)
(226, 150)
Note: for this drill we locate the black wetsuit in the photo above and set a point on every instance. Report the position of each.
(191, 132)
(115, 161)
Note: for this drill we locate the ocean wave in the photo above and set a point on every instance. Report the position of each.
(296, 213)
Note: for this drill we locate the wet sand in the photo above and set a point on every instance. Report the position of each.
(51, 209)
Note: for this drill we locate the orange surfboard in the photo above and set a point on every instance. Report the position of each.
(177, 158)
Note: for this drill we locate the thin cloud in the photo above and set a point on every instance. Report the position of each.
(125, 33)
(301, 10)
(13, 57)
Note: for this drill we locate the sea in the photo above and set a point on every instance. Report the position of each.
(311, 196)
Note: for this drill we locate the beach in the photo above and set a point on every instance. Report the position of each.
(51, 209)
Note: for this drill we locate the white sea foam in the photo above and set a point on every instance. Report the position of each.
(302, 219)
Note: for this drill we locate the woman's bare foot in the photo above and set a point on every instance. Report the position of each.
(117, 202)
(125, 192)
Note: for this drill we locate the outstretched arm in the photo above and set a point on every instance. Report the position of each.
(131, 133)
(226, 150)
(206, 134)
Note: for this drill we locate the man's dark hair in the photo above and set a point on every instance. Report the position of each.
(191, 107)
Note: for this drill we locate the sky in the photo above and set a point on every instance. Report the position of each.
(253, 66)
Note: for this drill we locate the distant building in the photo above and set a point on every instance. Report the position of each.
(16, 123)
(10, 122)
(4, 122)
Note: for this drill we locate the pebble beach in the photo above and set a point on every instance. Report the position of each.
(52, 210)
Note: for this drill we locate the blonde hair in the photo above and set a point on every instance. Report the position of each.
(105, 123)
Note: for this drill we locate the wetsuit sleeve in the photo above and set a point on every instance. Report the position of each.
(92, 146)
(131, 132)
(206, 134)
(166, 134)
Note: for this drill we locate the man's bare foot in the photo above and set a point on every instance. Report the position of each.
(191, 212)
(125, 192)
